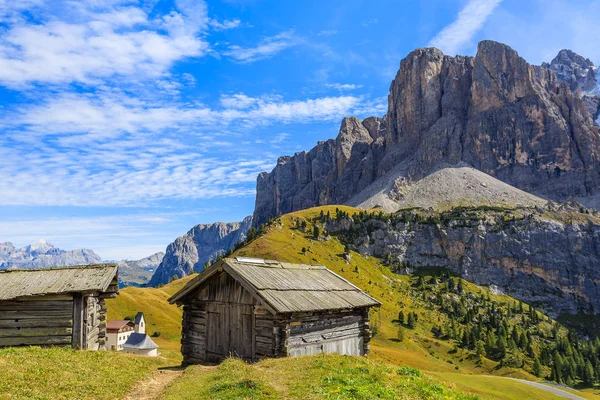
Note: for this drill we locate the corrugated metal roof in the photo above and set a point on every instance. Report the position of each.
(77, 279)
(286, 287)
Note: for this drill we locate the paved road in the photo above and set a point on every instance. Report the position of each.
(550, 389)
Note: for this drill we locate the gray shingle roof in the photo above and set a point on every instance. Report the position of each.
(286, 287)
(139, 341)
(138, 317)
(77, 279)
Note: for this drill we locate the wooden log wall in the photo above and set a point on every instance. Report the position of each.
(232, 329)
(94, 323)
(193, 334)
(311, 333)
(39, 321)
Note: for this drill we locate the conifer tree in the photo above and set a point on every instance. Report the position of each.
(411, 321)
(401, 334)
(401, 317)
(537, 367)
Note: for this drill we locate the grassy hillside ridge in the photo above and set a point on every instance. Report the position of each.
(314, 377)
(291, 238)
(443, 358)
(59, 373)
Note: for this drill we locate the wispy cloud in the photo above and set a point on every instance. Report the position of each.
(280, 138)
(369, 22)
(327, 32)
(104, 149)
(469, 21)
(224, 25)
(266, 48)
(100, 40)
(343, 86)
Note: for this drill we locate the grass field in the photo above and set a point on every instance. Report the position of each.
(58, 373)
(314, 377)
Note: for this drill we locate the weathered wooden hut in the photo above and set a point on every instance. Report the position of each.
(254, 308)
(62, 306)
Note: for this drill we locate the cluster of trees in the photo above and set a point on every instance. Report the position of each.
(510, 333)
(411, 321)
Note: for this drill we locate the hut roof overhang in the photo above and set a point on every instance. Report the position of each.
(96, 278)
(284, 287)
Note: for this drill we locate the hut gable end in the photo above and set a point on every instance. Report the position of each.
(253, 308)
(56, 306)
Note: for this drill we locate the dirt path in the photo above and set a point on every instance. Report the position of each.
(153, 386)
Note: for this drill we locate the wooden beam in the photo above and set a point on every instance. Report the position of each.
(78, 308)
(33, 341)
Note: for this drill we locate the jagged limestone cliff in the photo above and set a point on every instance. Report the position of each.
(204, 242)
(546, 256)
(494, 112)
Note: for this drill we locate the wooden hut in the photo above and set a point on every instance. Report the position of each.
(56, 306)
(254, 308)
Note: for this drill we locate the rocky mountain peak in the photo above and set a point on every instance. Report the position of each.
(575, 70)
(41, 246)
(517, 122)
(204, 242)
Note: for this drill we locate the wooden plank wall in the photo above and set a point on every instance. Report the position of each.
(40, 320)
(312, 333)
(220, 318)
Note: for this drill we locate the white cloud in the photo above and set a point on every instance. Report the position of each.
(238, 101)
(280, 138)
(266, 48)
(470, 20)
(328, 32)
(100, 42)
(224, 25)
(343, 86)
(104, 150)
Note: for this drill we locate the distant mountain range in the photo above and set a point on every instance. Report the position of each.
(139, 272)
(43, 254)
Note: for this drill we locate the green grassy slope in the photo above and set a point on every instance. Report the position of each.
(58, 373)
(315, 377)
(420, 349)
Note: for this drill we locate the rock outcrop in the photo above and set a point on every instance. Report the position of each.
(139, 272)
(544, 256)
(494, 112)
(574, 69)
(204, 242)
(42, 254)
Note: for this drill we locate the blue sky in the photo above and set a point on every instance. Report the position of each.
(124, 123)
